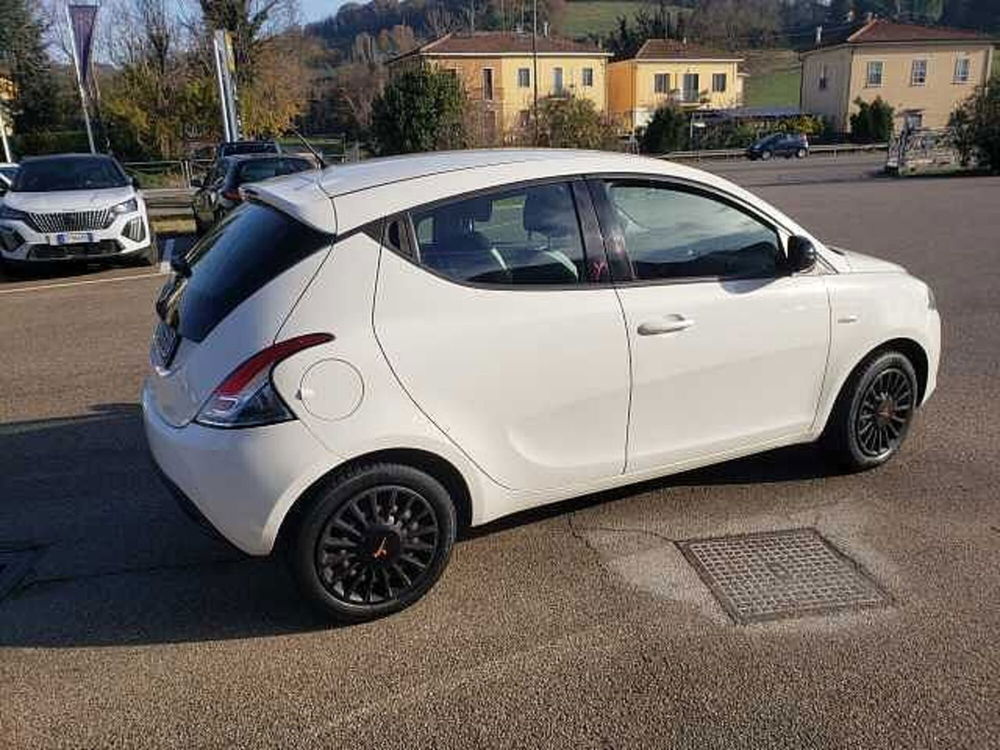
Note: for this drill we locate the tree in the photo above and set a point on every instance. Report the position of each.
(22, 52)
(568, 122)
(667, 130)
(975, 126)
(872, 123)
(737, 24)
(422, 109)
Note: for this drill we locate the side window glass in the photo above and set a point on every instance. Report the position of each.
(524, 236)
(672, 233)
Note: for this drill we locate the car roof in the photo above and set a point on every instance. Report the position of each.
(237, 158)
(65, 157)
(342, 198)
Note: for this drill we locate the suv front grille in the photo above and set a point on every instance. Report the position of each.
(73, 221)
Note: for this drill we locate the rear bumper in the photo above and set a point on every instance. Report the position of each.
(242, 482)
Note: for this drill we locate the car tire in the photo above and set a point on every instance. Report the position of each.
(801, 154)
(373, 541)
(766, 155)
(873, 412)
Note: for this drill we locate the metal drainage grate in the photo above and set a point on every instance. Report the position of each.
(779, 574)
(14, 566)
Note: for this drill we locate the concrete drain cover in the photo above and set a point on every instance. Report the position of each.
(779, 574)
(14, 566)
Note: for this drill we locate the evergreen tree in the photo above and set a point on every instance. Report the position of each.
(23, 54)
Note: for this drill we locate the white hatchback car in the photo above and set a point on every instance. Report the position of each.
(74, 207)
(357, 363)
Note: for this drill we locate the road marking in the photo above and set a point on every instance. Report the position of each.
(42, 287)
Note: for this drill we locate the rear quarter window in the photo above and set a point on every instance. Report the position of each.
(247, 249)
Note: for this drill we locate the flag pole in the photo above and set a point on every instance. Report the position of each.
(3, 136)
(79, 81)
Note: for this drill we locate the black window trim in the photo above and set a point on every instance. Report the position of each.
(698, 188)
(590, 234)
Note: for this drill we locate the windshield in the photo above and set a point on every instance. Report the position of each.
(72, 173)
(248, 147)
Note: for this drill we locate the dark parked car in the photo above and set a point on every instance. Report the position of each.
(235, 148)
(219, 192)
(780, 144)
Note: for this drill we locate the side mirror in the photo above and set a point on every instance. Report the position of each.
(801, 255)
(135, 182)
(196, 182)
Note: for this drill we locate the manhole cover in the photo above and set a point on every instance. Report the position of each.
(14, 566)
(779, 574)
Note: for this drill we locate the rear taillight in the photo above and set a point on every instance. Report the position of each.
(231, 195)
(246, 398)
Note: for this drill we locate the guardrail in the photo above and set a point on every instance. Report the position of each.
(740, 153)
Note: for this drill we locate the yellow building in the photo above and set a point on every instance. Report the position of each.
(665, 70)
(497, 70)
(922, 71)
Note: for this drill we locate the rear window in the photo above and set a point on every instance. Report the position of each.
(242, 253)
(263, 169)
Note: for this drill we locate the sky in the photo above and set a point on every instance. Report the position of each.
(316, 10)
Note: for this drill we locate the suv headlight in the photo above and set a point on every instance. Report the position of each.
(126, 208)
(6, 212)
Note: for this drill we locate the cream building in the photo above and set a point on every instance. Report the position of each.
(498, 72)
(666, 70)
(923, 72)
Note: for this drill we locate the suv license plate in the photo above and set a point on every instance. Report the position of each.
(71, 238)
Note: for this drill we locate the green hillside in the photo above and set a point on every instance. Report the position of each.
(583, 17)
(774, 78)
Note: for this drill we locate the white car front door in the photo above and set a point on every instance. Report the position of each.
(728, 350)
(487, 315)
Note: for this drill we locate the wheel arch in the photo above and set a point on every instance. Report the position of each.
(433, 464)
(908, 347)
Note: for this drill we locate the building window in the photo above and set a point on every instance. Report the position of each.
(823, 79)
(523, 78)
(488, 84)
(524, 118)
(874, 78)
(913, 120)
(691, 87)
(961, 70)
(557, 80)
(588, 76)
(918, 73)
(661, 83)
(718, 82)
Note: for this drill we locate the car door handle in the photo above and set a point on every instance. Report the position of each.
(667, 324)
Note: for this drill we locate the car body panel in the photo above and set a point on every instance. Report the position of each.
(748, 370)
(532, 384)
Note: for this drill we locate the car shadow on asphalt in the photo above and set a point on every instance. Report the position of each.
(116, 562)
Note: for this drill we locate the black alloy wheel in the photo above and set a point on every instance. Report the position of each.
(874, 411)
(766, 155)
(884, 412)
(377, 544)
(374, 542)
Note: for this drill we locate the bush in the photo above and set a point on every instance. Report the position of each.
(568, 122)
(667, 131)
(420, 110)
(872, 123)
(43, 142)
(975, 127)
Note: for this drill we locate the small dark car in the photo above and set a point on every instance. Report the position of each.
(219, 192)
(235, 148)
(780, 144)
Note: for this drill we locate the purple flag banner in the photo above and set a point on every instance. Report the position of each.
(82, 21)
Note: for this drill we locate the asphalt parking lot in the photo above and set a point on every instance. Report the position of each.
(575, 626)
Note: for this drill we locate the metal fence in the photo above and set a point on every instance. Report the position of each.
(740, 153)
